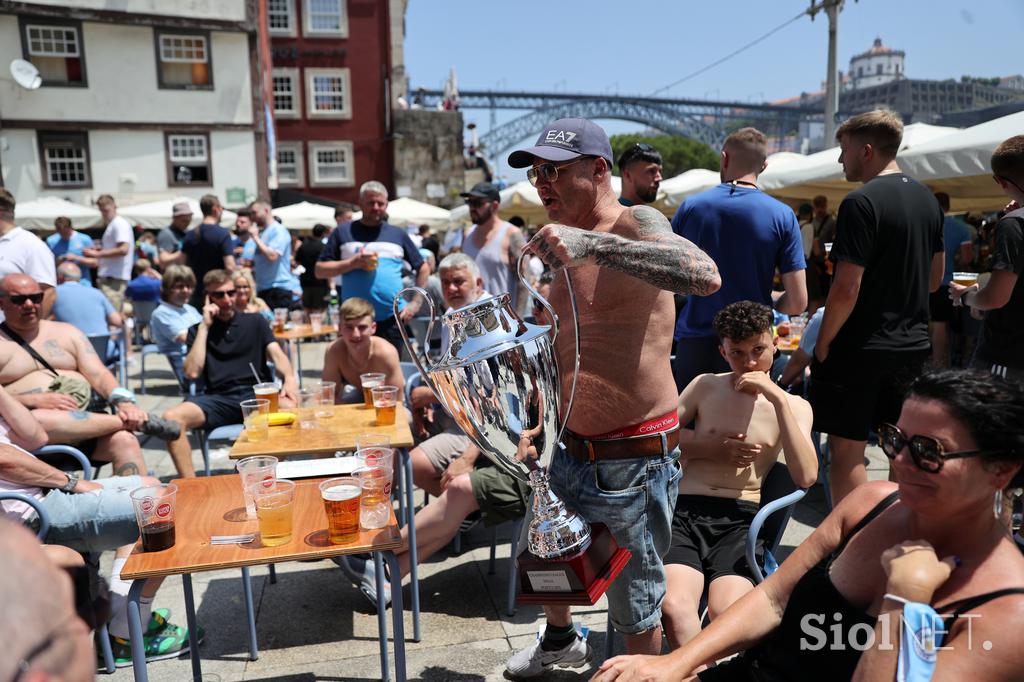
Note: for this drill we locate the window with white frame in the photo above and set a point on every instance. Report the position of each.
(289, 163)
(331, 163)
(325, 18)
(286, 92)
(328, 93)
(188, 159)
(65, 159)
(281, 17)
(183, 60)
(56, 50)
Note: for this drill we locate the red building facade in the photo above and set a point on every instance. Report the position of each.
(331, 96)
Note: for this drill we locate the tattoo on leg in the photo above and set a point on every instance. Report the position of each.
(79, 415)
(127, 469)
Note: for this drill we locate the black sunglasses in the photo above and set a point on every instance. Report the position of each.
(643, 147)
(548, 171)
(927, 452)
(19, 299)
(222, 294)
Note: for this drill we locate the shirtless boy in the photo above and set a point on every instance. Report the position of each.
(103, 437)
(619, 465)
(358, 351)
(743, 422)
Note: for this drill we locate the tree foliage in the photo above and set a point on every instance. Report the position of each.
(679, 154)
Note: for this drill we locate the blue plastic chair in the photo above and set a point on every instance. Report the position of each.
(119, 364)
(778, 496)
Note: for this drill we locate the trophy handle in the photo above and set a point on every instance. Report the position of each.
(554, 320)
(421, 364)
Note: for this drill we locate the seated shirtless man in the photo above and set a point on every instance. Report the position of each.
(59, 398)
(743, 422)
(357, 351)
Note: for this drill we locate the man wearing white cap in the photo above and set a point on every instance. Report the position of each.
(619, 460)
(170, 239)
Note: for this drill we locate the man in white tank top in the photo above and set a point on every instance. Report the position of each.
(494, 244)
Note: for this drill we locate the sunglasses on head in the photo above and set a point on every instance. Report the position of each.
(927, 452)
(548, 171)
(222, 294)
(19, 299)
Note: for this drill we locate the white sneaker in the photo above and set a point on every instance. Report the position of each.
(533, 660)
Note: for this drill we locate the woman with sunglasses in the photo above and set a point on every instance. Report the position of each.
(939, 535)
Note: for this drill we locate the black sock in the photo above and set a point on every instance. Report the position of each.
(557, 637)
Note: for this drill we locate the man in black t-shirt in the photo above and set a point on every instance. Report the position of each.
(209, 246)
(1002, 334)
(314, 289)
(223, 349)
(888, 257)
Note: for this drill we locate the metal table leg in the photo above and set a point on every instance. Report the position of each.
(250, 613)
(135, 631)
(397, 610)
(382, 618)
(414, 560)
(193, 634)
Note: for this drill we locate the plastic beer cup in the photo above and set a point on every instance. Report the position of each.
(316, 321)
(309, 404)
(268, 390)
(341, 504)
(385, 399)
(252, 470)
(254, 414)
(369, 381)
(154, 511)
(325, 409)
(375, 498)
(273, 498)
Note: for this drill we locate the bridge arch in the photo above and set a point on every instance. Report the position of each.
(503, 137)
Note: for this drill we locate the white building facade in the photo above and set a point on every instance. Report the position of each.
(878, 66)
(155, 100)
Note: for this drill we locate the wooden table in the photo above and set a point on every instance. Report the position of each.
(339, 433)
(214, 506)
(299, 333)
(335, 433)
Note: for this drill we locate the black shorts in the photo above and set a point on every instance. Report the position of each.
(314, 298)
(276, 298)
(851, 393)
(709, 534)
(222, 409)
(940, 306)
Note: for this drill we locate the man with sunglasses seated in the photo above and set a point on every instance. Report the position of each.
(223, 351)
(53, 369)
(640, 169)
(743, 421)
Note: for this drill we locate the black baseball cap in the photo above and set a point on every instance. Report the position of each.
(483, 190)
(564, 140)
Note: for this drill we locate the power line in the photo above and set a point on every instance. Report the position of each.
(730, 55)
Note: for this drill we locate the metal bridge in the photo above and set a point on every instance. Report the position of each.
(706, 121)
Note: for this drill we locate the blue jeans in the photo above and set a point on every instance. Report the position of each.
(635, 498)
(94, 521)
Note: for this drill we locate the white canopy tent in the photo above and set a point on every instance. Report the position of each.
(304, 215)
(800, 180)
(157, 214)
(40, 214)
(691, 182)
(406, 211)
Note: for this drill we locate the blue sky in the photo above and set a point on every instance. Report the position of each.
(598, 46)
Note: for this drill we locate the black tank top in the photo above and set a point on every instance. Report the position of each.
(800, 648)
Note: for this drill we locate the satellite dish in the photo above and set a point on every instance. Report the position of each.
(26, 74)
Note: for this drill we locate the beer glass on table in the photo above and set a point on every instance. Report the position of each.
(341, 498)
(385, 400)
(252, 470)
(273, 498)
(154, 510)
(268, 390)
(254, 415)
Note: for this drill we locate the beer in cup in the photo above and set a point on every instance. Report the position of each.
(280, 317)
(252, 470)
(341, 504)
(965, 279)
(369, 381)
(273, 498)
(268, 391)
(385, 398)
(254, 414)
(375, 498)
(154, 511)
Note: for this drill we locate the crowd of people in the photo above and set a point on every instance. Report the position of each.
(683, 405)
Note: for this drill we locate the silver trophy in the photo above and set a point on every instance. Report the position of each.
(499, 380)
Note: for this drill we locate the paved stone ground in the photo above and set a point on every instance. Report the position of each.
(313, 625)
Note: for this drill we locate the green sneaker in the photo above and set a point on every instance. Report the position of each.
(158, 618)
(167, 641)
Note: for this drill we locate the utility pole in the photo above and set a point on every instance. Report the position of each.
(832, 9)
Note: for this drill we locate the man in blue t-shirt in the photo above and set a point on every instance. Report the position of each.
(368, 254)
(272, 267)
(959, 255)
(68, 244)
(749, 235)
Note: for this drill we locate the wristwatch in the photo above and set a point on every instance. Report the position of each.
(69, 487)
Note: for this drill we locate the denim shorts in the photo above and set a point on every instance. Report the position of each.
(635, 498)
(95, 521)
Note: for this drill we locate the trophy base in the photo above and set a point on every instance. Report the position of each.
(577, 579)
